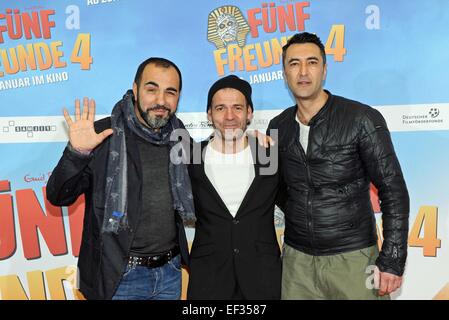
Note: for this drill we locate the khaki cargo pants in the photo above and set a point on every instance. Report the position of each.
(349, 275)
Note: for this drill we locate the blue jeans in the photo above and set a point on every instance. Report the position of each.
(142, 283)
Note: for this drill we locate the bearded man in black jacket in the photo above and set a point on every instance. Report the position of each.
(136, 199)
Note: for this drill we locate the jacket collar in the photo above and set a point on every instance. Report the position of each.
(323, 111)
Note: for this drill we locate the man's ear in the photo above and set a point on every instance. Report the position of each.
(283, 73)
(135, 91)
(325, 72)
(209, 115)
(250, 114)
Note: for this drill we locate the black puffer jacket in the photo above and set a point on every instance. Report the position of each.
(328, 209)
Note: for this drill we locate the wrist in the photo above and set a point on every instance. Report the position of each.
(81, 151)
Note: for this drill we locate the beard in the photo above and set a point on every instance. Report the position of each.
(154, 122)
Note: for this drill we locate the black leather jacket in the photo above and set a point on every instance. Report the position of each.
(328, 209)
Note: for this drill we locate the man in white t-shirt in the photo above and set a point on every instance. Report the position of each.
(235, 253)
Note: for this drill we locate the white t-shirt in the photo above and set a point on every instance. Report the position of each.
(230, 174)
(303, 134)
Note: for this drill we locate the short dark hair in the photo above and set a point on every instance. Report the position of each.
(304, 37)
(160, 62)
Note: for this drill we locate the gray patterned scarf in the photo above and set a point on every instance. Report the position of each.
(123, 114)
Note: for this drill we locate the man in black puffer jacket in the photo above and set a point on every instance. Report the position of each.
(330, 150)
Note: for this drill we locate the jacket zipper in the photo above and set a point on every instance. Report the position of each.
(309, 192)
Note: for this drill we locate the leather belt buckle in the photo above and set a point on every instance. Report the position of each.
(153, 261)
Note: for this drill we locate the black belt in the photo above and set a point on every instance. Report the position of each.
(154, 261)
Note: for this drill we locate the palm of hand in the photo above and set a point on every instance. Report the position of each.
(82, 134)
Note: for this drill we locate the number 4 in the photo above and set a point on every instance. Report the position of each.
(81, 51)
(428, 217)
(336, 35)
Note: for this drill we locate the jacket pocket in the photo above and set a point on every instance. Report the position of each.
(202, 250)
(268, 248)
(341, 152)
(340, 147)
(370, 252)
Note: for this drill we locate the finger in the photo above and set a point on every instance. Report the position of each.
(400, 282)
(383, 285)
(390, 286)
(67, 117)
(262, 142)
(252, 133)
(91, 115)
(266, 142)
(397, 284)
(85, 108)
(77, 110)
(106, 133)
(270, 139)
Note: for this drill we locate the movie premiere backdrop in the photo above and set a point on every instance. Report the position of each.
(393, 55)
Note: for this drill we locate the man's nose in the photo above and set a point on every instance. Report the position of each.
(303, 69)
(229, 114)
(161, 99)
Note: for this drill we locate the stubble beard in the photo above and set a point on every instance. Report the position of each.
(154, 122)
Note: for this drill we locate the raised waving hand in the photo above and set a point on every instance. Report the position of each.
(82, 135)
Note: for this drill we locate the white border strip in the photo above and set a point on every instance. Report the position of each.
(400, 118)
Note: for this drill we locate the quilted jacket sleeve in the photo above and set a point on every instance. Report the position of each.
(377, 153)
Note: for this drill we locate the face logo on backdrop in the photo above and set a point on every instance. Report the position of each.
(226, 24)
(235, 36)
